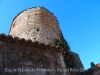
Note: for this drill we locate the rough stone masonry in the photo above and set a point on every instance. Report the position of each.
(36, 42)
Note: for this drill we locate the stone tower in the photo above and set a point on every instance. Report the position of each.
(37, 24)
(36, 41)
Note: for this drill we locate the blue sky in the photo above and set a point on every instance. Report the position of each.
(79, 21)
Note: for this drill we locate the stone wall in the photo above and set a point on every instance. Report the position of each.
(19, 57)
(91, 71)
(97, 72)
(77, 61)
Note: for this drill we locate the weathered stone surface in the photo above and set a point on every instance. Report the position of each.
(35, 41)
(37, 60)
(77, 61)
(37, 24)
